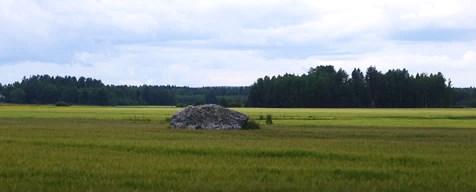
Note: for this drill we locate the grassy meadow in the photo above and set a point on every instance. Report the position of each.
(48, 148)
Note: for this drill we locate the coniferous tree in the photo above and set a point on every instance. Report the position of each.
(359, 95)
(323, 86)
(17, 96)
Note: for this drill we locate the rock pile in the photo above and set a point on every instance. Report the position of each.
(208, 117)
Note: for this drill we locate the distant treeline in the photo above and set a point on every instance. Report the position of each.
(464, 97)
(45, 89)
(324, 86)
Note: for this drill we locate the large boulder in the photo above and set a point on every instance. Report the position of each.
(208, 117)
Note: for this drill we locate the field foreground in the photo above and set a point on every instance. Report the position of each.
(46, 148)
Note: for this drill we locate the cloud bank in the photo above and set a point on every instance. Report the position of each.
(229, 42)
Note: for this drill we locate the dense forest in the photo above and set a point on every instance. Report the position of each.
(45, 89)
(464, 97)
(322, 86)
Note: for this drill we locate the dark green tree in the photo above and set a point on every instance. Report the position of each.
(211, 98)
(17, 95)
(359, 93)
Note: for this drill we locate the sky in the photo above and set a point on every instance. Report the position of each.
(233, 42)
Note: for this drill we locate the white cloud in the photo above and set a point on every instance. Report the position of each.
(230, 42)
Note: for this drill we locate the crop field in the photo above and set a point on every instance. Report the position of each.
(48, 148)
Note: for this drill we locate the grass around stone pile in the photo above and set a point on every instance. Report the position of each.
(47, 148)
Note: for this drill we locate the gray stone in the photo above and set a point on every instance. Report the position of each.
(208, 117)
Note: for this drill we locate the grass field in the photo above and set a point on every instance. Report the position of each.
(47, 148)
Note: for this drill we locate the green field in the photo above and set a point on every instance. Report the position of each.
(47, 148)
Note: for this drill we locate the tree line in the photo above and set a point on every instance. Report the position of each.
(464, 97)
(324, 86)
(45, 89)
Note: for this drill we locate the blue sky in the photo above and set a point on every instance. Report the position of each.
(233, 42)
